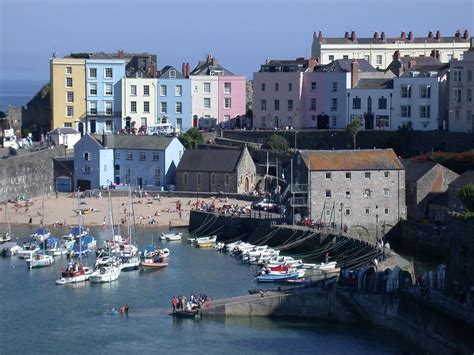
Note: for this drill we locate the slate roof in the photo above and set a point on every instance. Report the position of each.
(371, 40)
(374, 84)
(205, 67)
(464, 179)
(337, 160)
(416, 169)
(424, 70)
(165, 73)
(344, 65)
(221, 160)
(119, 141)
(64, 130)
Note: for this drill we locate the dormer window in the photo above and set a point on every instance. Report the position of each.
(415, 74)
(172, 74)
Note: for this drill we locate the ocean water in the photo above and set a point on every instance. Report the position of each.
(39, 317)
(18, 92)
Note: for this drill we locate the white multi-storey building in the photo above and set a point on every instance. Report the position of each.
(461, 86)
(378, 50)
(139, 100)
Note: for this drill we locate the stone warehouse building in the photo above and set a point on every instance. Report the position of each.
(226, 170)
(362, 189)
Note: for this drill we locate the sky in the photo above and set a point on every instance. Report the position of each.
(241, 34)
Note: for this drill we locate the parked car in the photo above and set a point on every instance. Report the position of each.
(265, 205)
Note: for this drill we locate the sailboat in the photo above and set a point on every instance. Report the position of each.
(129, 255)
(75, 270)
(6, 236)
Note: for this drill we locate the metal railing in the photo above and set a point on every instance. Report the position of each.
(299, 201)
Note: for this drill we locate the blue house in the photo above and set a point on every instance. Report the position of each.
(103, 95)
(147, 162)
(174, 99)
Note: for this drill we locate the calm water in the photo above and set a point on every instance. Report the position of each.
(39, 317)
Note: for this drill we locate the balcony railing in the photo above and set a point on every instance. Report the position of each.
(92, 114)
(298, 201)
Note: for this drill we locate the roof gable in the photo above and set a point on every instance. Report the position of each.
(166, 71)
(119, 141)
(464, 179)
(205, 160)
(416, 169)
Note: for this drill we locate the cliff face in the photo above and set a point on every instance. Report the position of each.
(37, 115)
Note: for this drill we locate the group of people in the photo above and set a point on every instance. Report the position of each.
(183, 304)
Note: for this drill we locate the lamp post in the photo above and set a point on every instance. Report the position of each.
(342, 206)
(376, 223)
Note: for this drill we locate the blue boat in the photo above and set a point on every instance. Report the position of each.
(277, 277)
(77, 231)
(89, 242)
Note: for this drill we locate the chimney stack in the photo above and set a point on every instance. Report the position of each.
(466, 35)
(411, 37)
(382, 36)
(376, 35)
(183, 69)
(354, 73)
(187, 70)
(430, 34)
(396, 55)
(438, 35)
(403, 36)
(153, 70)
(457, 34)
(353, 36)
(346, 35)
(314, 35)
(121, 54)
(320, 35)
(411, 63)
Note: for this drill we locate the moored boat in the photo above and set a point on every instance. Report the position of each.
(39, 260)
(186, 314)
(170, 237)
(276, 277)
(104, 274)
(5, 237)
(75, 272)
(9, 249)
(206, 242)
(28, 249)
(41, 234)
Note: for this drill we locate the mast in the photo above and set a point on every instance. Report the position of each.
(81, 222)
(130, 206)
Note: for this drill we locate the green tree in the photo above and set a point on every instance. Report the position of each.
(191, 138)
(466, 195)
(277, 142)
(2, 114)
(353, 129)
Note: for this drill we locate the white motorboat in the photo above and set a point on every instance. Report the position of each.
(5, 237)
(39, 260)
(27, 250)
(130, 263)
(327, 266)
(171, 237)
(9, 249)
(105, 274)
(206, 242)
(75, 272)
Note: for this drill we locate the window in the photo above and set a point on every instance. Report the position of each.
(386, 192)
(328, 193)
(185, 178)
(290, 87)
(386, 211)
(157, 172)
(213, 179)
(468, 115)
(129, 156)
(456, 115)
(378, 59)
(382, 103)
(93, 89)
(109, 126)
(172, 74)
(146, 90)
(227, 179)
(334, 120)
(367, 193)
(381, 120)
(334, 105)
(156, 156)
(179, 124)
(69, 111)
(227, 88)
(87, 169)
(276, 105)
(157, 180)
(199, 178)
(143, 121)
(178, 90)
(457, 75)
(93, 73)
(386, 174)
(312, 106)
(163, 90)
(207, 102)
(469, 75)
(133, 106)
(179, 107)
(263, 104)
(67, 125)
(406, 91)
(207, 88)
(328, 176)
(108, 89)
(290, 105)
(405, 111)
(108, 73)
(469, 95)
(226, 117)
(348, 175)
(345, 56)
(117, 155)
(457, 95)
(334, 87)
(367, 57)
(70, 97)
(367, 211)
(313, 86)
(93, 107)
(109, 108)
(127, 172)
(142, 156)
(227, 103)
(277, 86)
(146, 106)
(425, 91)
(133, 90)
(87, 156)
(69, 82)
(163, 107)
(367, 175)
(369, 104)
(263, 86)
(425, 111)
(356, 103)
(68, 70)
(348, 194)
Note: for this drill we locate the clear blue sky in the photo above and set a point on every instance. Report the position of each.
(240, 33)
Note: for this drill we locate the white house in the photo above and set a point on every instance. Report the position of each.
(461, 91)
(64, 136)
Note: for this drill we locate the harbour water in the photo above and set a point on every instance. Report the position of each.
(39, 317)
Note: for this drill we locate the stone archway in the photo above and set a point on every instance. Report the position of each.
(247, 184)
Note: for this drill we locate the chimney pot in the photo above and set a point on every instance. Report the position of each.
(376, 35)
(382, 36)
(438, 35)
(183, 69)
(410, 36)
(466, 35)
(403, 35)
(187, 70)
(458, 33)
(346, 35)
(430, 34)
(320, 34)
(353, 36)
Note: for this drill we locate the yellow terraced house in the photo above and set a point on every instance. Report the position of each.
(68, 100)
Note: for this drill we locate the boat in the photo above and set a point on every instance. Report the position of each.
(41, 234)
(103, 274)
(7, 235)
(192, 240)
(186, 314)
(327, 266)
(39, 260)
(76, 232)
(9, 249)
(277, 277)
(155, 262)
(171, 237)
(28, 249)
(75, 272)
(206, 242)
(130, 263)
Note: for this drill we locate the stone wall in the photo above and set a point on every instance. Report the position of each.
(28, 174)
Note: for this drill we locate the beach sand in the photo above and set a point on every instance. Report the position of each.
(61, 210)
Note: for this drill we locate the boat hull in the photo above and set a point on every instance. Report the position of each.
(152, 265)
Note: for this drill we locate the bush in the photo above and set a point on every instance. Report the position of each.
(191, 138)
(457, 162)
(277, 142)
(466, 195)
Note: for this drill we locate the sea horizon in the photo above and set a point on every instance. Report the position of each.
(18, 92)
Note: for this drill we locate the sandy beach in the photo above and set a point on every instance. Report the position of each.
(61, 211)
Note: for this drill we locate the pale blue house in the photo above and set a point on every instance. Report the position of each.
(174, 99)
(147, 162)
(103, 95)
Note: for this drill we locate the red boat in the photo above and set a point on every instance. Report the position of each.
(280, 268)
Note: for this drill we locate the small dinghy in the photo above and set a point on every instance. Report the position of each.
(186, 314)
(171, 237)
(206, 242)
